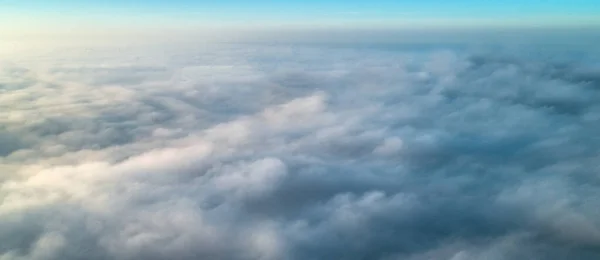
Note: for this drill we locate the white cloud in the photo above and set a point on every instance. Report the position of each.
(291, 152)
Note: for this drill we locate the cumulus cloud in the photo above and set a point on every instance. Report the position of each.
(299, 152)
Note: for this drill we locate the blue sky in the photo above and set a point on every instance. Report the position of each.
(312, 7)
(32, 13)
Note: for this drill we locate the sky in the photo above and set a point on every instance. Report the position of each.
(55, 15)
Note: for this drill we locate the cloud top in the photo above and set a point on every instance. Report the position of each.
(300, 152)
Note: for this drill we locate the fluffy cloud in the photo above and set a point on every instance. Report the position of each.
(299, 152)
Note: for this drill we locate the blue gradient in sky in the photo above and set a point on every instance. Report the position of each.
(275, 11)
(379, 8)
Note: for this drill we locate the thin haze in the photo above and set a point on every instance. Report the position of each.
(82, 16)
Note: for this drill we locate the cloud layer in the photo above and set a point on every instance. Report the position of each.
(300, 152)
